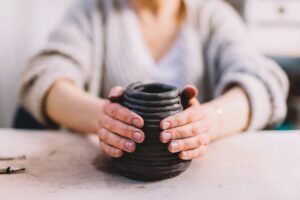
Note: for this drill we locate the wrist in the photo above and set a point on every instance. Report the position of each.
(214, 114)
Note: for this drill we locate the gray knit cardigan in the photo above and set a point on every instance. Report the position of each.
(93, 47)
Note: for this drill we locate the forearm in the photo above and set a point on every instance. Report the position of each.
(73, 108)
(228, 114)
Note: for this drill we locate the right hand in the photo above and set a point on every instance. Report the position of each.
(120, 128)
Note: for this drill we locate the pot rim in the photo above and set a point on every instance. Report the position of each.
(138, 90)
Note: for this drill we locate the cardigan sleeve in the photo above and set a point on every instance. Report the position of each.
(66, 55)
(235, 61)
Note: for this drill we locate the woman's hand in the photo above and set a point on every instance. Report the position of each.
(120, 127)
(187, 131)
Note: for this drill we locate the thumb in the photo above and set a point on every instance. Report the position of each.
(188, 93)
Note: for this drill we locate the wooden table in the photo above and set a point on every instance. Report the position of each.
(61, 165)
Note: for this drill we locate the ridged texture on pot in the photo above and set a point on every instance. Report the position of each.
(151, 160)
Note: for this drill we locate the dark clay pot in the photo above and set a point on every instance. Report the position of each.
(151, 161)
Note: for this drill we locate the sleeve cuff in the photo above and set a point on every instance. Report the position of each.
(257, 94)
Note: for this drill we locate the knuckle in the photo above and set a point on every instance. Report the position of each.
(128, 131)
(115, 109)
(178, 119)
(182, 145)
(184, 132)
(120, 143)
(195, 129)
(127, 116)
(187, 145)
(199, 141)
(174, 120)
(111, 124)
(175, 133)
(104, 135)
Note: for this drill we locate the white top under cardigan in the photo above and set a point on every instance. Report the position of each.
(169, 68)
(216, 53)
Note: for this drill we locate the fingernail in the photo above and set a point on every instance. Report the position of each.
(138, 137)
(129, 146)
(166, 125)
(166, 137)
(174, 146)
(136, 123)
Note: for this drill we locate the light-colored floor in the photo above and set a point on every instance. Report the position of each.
(262, 165)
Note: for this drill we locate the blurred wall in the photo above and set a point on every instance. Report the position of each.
(275, 26)
(24, 26)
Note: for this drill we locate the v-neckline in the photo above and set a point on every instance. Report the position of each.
(142, 46)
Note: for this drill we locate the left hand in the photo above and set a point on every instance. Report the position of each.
(187, 131)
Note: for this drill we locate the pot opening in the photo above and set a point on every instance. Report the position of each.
(155, 89)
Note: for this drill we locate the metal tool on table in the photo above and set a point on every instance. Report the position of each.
(13, 158)
(12, 169)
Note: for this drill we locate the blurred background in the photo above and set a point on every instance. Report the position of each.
(274, 25)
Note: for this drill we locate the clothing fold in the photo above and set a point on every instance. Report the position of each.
(98, 46)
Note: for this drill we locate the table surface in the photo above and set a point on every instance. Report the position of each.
(61, 165)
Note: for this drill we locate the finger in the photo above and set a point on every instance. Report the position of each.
(111, 151)
(186, 131)
(195, 153)
(116, 93)
(116, 141)
(123, 129)
(188, 143)
(187, 116)
(123, 114)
